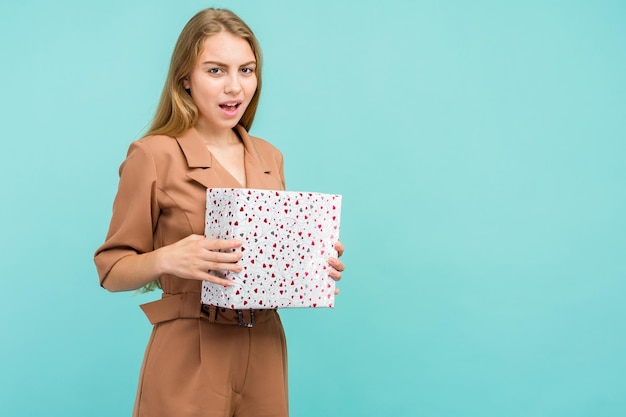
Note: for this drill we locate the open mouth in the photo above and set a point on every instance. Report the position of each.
(230, 106)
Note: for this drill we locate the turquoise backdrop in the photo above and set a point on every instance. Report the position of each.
(481, 151)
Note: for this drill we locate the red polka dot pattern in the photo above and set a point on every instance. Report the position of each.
(287, 239)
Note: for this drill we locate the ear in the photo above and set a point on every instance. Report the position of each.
(186, 83)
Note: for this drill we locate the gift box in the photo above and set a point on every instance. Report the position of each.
(287, 239)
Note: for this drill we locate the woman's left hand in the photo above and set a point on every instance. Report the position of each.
(337, 267)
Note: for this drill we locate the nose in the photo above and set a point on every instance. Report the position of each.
(233, 85)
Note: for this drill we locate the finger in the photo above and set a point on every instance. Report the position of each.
(217, 280)
(337, 264)
(234, 268)
(334, 274)
(222, 257)
(339, 248)
(337, 291)
(221, 244)
(206, 275)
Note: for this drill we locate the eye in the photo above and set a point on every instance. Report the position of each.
(247, 70)
(215, 71)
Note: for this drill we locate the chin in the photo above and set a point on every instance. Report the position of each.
(233, 124)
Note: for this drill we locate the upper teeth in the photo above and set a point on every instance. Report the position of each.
(231, 105)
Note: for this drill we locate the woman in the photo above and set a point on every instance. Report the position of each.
(199, 361)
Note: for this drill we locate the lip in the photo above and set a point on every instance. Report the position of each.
(230, 108)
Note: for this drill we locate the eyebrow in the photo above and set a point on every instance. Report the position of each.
(221, 64)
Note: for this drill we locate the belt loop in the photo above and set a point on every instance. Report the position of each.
(211, 312)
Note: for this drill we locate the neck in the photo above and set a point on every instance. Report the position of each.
(213, 136)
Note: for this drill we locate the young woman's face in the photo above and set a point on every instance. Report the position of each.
(223, 81)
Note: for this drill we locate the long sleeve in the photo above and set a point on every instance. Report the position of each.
(135, 211)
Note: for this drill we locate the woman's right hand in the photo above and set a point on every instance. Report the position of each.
(195, 256)
(192, 258)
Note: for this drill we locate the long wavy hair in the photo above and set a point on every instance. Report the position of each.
(176, 111)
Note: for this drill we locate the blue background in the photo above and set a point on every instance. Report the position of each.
(480, 149)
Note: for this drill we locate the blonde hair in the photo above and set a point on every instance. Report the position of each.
(176, 111)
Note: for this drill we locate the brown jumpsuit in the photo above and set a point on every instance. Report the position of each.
(198, 362)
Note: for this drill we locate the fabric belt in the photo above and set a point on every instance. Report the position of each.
(188, 306)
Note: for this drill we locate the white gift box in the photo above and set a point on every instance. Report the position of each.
(287, 239)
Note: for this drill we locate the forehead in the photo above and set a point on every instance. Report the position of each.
(225, 47)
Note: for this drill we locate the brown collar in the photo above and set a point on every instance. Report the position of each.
(200, 158)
